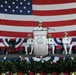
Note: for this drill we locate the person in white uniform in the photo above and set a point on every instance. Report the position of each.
(66, 41)
(39, 27)
(51, 43)
(29, 43)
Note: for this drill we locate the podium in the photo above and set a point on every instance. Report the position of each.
(40, 42)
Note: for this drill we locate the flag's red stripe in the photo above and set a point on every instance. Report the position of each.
(24, 35)
(52, 1)
(61, 34)
(54, 12)
(59, 23)
(33, 23)
(15, 34)
(18, 23)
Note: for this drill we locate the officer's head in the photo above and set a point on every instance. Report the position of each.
(29, 35)
(49, 35)
(65, 34)
(39, 23)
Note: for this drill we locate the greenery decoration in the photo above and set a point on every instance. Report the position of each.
(61, 66)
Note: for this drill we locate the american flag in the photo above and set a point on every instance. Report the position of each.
(19, 17)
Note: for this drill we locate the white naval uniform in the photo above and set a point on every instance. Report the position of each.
(29, 44)
(40, 28)
(51, 44)
(67, 44)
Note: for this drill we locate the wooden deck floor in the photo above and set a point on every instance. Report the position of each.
(24, 55)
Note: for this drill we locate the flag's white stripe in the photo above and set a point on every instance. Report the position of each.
(63, 28)
(54, 6)
(38, 18)
(30, 29)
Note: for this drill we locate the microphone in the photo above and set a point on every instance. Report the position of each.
(50, 29)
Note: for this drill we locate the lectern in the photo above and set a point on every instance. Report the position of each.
(40, 42)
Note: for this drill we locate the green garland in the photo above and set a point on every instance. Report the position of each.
(67, 65)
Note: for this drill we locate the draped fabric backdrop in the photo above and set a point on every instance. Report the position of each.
(20, 17)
